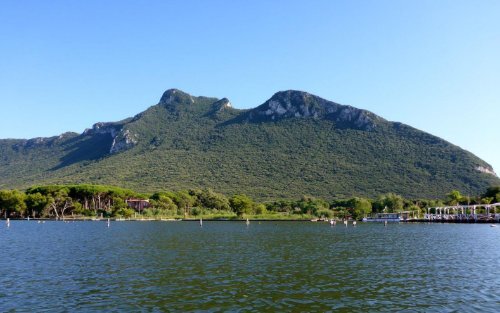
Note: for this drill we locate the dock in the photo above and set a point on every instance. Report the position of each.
(473, 213)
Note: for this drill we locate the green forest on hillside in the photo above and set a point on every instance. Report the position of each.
(187, 142)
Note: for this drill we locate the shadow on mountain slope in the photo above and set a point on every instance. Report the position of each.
(85, 148)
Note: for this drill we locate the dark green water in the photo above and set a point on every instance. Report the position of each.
(227, 266)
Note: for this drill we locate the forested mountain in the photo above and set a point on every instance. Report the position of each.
(294, 144)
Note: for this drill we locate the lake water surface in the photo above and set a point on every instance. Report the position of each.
(267, 266)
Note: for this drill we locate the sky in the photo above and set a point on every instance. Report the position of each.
(434, 65)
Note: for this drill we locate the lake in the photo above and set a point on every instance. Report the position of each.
(266, 266)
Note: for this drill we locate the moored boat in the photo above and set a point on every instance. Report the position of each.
(383, 217)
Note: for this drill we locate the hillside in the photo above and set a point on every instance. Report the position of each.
(293, 144)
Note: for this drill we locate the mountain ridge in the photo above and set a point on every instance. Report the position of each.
(231, 150)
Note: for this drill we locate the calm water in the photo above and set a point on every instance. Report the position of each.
(227, 266)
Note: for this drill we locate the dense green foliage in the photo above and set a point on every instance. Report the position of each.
(63, 201)
(197, 142)
(493, 193)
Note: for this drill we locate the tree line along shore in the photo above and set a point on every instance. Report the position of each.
(91, 201)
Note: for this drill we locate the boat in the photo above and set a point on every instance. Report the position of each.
(383, 217)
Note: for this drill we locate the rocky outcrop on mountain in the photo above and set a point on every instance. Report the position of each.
(123, 141)
(42, 141)
(222, 105)
(103, 128)
(486, 170)
(298, 104)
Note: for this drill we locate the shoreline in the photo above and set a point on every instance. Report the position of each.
(412, 221)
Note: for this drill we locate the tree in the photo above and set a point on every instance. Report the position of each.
(415, 209)
(36, 203)
(241, 204)
(454, 197)
(59, 202)
(184, 200)
(312, 206)
(361, 207)
(389, 202)
(492, 192)
(212, 200)
(281, 206)
(164, 203)
(12, 202)
(260, 209)
(487, 200)
(125, 212)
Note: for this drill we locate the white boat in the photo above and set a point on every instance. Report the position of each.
(383, 217)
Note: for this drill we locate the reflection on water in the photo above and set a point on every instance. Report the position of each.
(227, 266)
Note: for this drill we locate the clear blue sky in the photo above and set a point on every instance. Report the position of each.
(434, 65)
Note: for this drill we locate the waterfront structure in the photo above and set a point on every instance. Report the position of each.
(138, 204)
(383, 217)
(466, 213)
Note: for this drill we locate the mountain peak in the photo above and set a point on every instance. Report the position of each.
(290, 103)
(176, 96)
(300, 104)
(292, 95)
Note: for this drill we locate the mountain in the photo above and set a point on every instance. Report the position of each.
(294, 144)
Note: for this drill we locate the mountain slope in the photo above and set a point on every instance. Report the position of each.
(293, 144)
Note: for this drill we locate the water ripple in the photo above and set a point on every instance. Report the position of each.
(269, 266)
